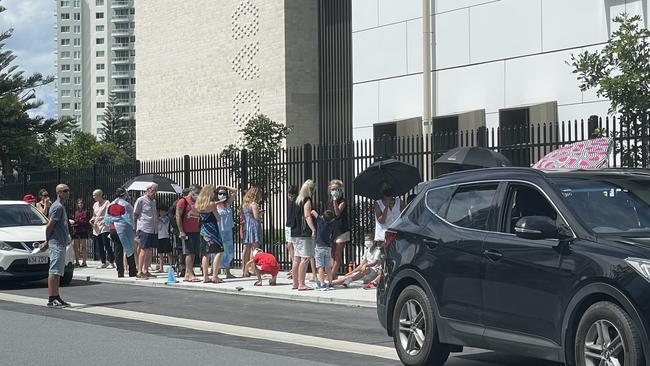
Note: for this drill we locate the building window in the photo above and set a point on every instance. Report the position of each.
(65, 80)
(99, 2)
(65, 41)
(65, 67)
(65, 54)
(132, 52)
(65, 16)
(133, 108)
(100, 79)
(132, 95)
(101, 92)
(99, 53)
(99, 28)
(99, 40)
(77, 106)
(132, 39)
(65, 3)
(77, 29)
(77, 41)
(77, 67)
(101, 105)
(132, 66)
(65, 105)
(77, 3)
(100, 118)
(132, 80)
(77, 80)
(65, 93)
(100, 66)
(65, 29)
(77, 55)
(77, 16)
(132, 11)
(77, 93)
(99, 15)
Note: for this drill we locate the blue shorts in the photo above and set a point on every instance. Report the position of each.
(147, 241)
(57, 260)
(323, 257)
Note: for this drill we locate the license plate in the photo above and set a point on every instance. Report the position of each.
(37, 260)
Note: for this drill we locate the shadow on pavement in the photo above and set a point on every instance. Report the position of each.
(27, 285)
(86, 306)
(506, 360)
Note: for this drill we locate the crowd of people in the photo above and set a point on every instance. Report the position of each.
(201, 224)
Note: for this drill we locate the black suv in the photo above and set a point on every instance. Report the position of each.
(547, 265)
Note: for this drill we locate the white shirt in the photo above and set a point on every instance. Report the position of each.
(163, 228)
(372, 256)
(393, 214)
(98, 214)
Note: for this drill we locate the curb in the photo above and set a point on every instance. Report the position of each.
(230, 291)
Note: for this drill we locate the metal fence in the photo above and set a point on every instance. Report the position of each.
(523, 145)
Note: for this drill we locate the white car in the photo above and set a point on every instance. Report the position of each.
(22, 227)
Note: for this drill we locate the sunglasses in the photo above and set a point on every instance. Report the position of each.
(65, 191)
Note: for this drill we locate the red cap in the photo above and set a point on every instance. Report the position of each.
(29, 198)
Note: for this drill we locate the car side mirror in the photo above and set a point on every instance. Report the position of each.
(541, 227)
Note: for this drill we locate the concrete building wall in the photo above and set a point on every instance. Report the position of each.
(488, 55)
(206, 67)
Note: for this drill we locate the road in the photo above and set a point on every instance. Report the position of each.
(119, 324)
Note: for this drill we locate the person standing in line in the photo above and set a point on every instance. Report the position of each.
(211, 242)
(187, 221)
(341, 226)
(303, 233)
(101, 231)
(80, 231)
(252, 226)
(387, 210)
(164, 243)
(57, 238)
(119, 218)
(225, 197)
(43, 206)
(146, 217)
(291, 204)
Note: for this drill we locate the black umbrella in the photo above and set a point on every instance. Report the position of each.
(466, 158)
(140, 183)
(401, 176)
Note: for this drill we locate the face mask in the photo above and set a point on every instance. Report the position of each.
(387, 192)
(194, 197)
(222, 196)
(368, 243)
(335, 194)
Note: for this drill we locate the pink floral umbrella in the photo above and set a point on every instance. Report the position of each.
(589, 154)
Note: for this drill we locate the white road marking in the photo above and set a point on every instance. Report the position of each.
(235, 330)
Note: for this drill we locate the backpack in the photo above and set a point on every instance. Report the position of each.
(172, 214)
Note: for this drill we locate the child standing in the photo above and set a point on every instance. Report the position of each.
(323, 253)
(164, 244)
(264, 263)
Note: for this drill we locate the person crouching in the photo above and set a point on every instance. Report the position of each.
(264, 263)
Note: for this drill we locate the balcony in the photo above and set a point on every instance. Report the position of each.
(118, 18)
(122, 102)
(120, 4)
(121, 32)
(121, 60)
(120, 46)
(122, 74)
(122, 88)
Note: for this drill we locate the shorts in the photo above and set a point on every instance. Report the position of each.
(287, 234)
(82, 235)
(147, 241)
(343, 238)
(57, 260)
(210, 247)
(303, 247)
(192, 245)
(164, 246)
(270, 270)
(371, 275)
(323, 257)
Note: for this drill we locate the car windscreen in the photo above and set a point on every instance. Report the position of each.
(20, 215)
(609, 205)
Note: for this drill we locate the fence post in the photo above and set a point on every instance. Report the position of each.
(58, 175)
(25, 176)
(138, 167)
(186, 171)
(481, 136)
(243, 166)
(307, 161)
(94, 177)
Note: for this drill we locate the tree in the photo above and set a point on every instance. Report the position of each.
(263, 140)
(84, 151)
(117, 129)
(621, 73)
(23, 136)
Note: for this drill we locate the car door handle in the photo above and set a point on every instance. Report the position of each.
(431, 243)
(493, 255)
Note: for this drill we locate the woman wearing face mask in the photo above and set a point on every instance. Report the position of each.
(225, 197)
(341, 232)
(368, 269)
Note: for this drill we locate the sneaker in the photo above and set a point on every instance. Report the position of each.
(110, 266)
(347, 283)
(330, 287)
(102, 266)
(57, 304)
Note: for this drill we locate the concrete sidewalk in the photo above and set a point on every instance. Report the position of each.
(353, 296)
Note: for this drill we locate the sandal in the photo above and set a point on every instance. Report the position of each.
(207, 281)
(217, 280)
(192, 280)
(272, 283)
(305, 289)
(258, 283)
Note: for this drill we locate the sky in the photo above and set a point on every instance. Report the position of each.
(33, 42)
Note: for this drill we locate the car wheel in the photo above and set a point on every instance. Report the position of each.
(67, 275)
(414, 330)
(607, 336)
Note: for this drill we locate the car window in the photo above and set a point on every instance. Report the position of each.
(20, 215)
(437, 198)
(525, 200)
(471, 206)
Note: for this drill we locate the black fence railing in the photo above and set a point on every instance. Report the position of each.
(523, 145)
